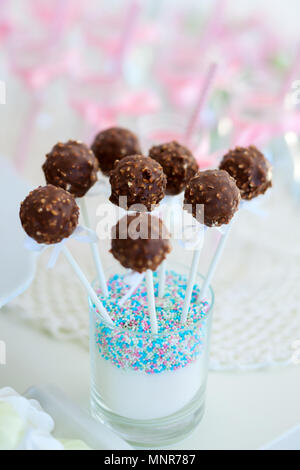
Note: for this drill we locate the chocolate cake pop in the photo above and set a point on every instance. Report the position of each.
(250, 169)
(137, 180)
(140, 242)
(178, 163)
(49, 214)
(71, 166)
(114, 144)
(212, 195)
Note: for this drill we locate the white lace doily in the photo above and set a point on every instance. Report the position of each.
(256, 317)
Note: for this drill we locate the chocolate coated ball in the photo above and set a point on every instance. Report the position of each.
(49, 214)
(140, 242)
(114, 144)
(213, 197)
(137, 180)
(250, 169)
(178, 163)
(71, 166)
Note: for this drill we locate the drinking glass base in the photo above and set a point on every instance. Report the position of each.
(152, 433)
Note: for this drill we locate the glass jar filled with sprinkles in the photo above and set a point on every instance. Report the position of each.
(150, 387)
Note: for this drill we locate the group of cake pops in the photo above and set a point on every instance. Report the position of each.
(50, 214)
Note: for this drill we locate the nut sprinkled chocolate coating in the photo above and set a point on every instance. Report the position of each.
(114, 144)
(140, 242)
(140, 179)
(250, 169)
(216, 195)
(71, 166)
(49, 214)
(178, 163)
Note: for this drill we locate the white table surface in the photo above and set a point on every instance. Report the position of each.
(243, 410)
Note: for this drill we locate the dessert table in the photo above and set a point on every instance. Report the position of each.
(244, 410)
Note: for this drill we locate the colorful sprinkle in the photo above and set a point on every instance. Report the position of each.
(131, 345)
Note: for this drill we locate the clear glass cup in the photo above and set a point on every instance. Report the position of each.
(150, 408)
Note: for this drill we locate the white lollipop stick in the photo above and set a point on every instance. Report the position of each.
(151, 301)
(214, 262)
(163, 267)
(131, 290)
(94, 249)
(162, 279)
(191, 282)
(87, 285)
